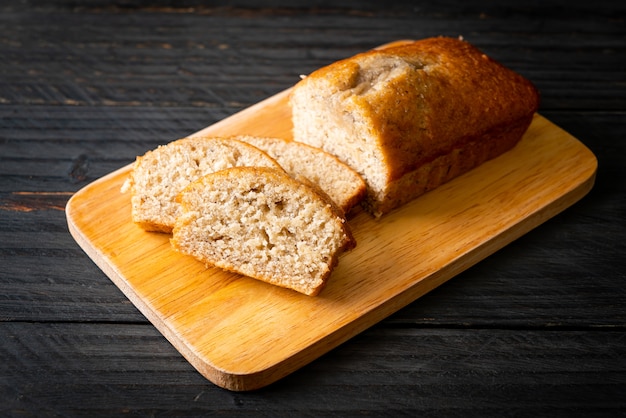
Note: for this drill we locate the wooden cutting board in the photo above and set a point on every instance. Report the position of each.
(243, 334)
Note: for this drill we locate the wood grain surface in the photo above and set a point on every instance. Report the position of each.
(535, 329)
(242, 334)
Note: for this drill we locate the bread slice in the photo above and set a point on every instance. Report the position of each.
(410, 117)
(262, 223)
(160, 175)
(344, 185)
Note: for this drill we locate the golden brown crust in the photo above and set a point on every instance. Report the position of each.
(423, 101)
(459, 84)
(448, 166)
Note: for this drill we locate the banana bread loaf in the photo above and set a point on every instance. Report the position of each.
(411, 117)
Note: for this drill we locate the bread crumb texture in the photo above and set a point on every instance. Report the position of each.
(160, 175)
(339, 181)
(262, 223)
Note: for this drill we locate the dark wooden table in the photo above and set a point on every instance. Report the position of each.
(537, 329)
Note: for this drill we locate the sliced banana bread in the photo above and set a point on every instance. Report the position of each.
(160, 175)
(262, 223)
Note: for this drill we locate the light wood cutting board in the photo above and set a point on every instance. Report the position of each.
(243, 334)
